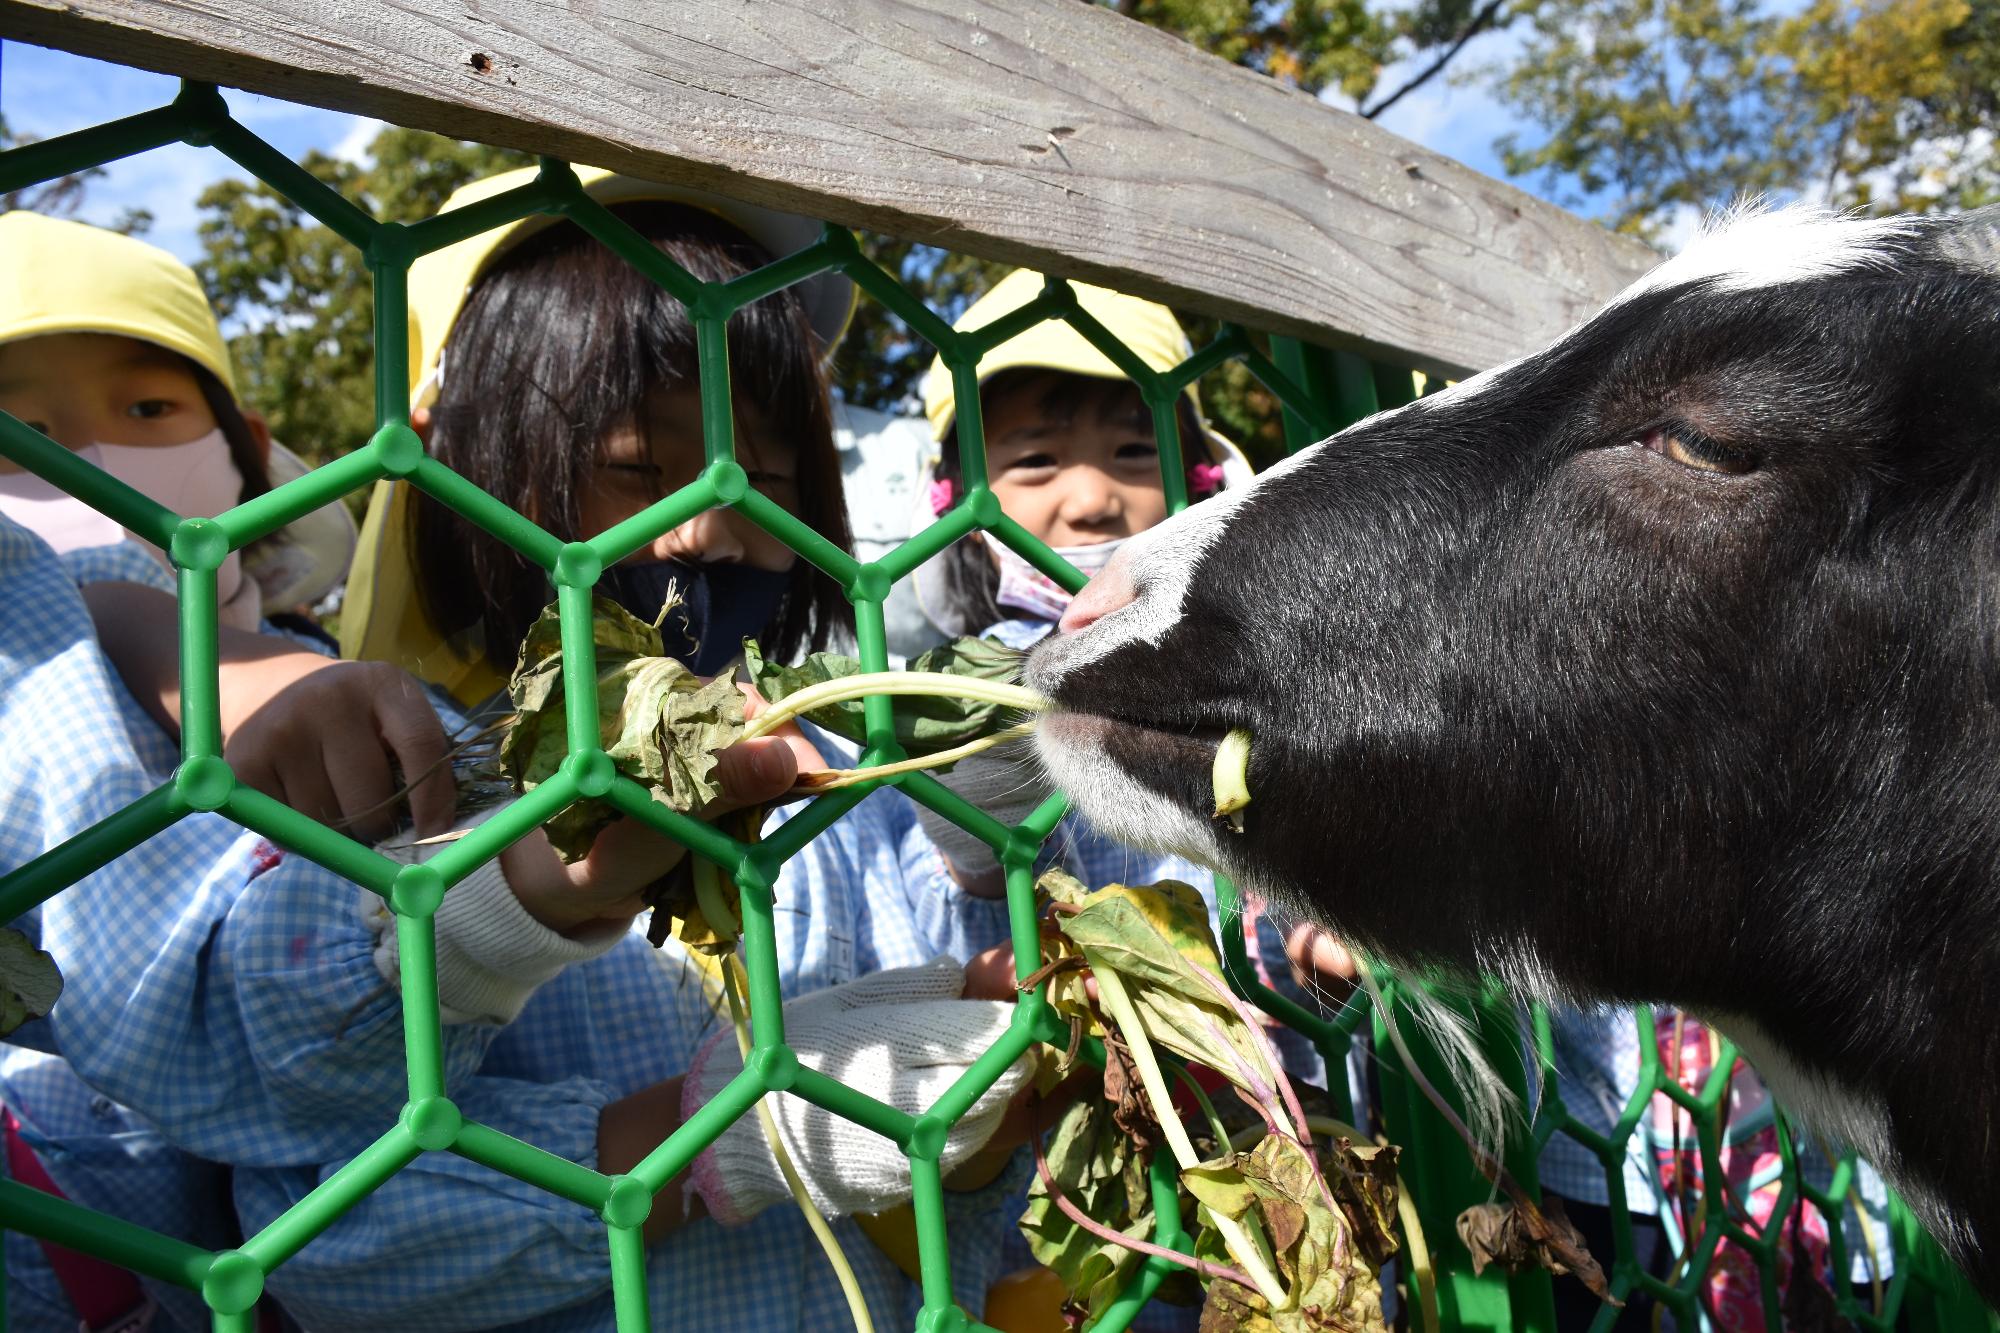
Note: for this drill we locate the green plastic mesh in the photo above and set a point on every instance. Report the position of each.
(1320, 391)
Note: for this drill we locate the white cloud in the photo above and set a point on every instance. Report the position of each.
(353, 146)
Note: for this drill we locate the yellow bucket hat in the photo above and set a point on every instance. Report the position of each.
(1147, 327)
(383, 619)
(69, 277)
(58, 276)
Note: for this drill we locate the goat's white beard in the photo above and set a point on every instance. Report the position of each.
(1491, 1108)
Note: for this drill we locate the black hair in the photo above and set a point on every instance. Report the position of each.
(971, 582)
(560, 344)
(250, 461)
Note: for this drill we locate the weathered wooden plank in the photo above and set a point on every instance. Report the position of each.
(1042, 132)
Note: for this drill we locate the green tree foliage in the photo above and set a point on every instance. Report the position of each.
(1649, 107)
(1332, 48)
(880, 362)
(297, 298)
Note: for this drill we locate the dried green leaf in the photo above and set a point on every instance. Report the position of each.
(659, 723)
(1332, 1280)
(29, 980)
(924, 725)
(1099, 1170)
(1156, 937)
(1518, 1237)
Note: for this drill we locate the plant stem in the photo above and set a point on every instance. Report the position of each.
(1236, 1236)
(1202, 1267)
(708, 897)
(1200, 1094)
(1422, 1272)
(830, 779)
(937, 684)
(850, 1286)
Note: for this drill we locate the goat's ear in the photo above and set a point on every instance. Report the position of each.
(1973, 239)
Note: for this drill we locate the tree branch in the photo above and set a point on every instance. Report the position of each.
(1479, 22)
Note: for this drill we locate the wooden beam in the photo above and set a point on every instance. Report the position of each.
(1041, 132)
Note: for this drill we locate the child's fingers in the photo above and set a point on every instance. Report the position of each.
(1319, 957)
(990, 974)
(357, 771)
(300, 779)
(410, 728)
(809, 759)
(753, 772)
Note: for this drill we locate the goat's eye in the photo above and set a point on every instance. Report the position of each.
(1691, 448)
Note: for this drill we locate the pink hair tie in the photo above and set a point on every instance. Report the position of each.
(1204, 479)
(943, 492)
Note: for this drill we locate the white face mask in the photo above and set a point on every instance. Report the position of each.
(196, 479)
(1025, 588)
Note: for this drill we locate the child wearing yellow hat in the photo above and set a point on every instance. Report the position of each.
(557, 378)
(1070, 451)
(108, 346)
(1072, 458)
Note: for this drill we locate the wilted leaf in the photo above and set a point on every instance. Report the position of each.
(1156, 937)
(29, 980)
(1518, 1238)
(1124, 1094)
(1331, 1279)
(1362, 1177)
(1100, 1171)
(659, 722)
(924, 724)
(1328, 1235)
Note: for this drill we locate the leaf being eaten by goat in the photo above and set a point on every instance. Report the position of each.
(925, 724)
(1327, 1216)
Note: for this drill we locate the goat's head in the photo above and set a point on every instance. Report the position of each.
(1657, 665)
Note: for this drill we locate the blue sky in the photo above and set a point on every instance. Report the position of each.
(45, 93)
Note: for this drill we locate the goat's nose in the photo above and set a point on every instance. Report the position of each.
(1111, 589)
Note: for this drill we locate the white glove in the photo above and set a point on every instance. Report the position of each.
(903, 1036)
(1006, 782)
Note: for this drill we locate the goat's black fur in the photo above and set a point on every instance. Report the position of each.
(1528, 695)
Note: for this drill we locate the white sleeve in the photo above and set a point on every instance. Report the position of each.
(491, 954)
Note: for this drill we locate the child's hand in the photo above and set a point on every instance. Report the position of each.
(609, 884)
(318, 734)
(1320, 962)
(314, 732)
(907, 1035)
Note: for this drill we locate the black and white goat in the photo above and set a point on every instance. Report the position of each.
(1662, 665)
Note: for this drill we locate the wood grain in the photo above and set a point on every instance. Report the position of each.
(1042, 132)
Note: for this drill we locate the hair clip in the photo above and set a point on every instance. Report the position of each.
(943, 491)
(1204, 479)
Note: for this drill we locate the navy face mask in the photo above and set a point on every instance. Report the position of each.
(721, 605)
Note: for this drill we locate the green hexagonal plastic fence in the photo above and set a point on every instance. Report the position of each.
(1319, 391)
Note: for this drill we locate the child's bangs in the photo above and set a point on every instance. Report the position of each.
(558, 347)
(607, 336)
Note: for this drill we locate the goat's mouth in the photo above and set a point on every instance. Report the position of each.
(1197, 742)
(1140, 783)
(1174, 760)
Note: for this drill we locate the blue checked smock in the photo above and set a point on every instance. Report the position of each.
(229, 997)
